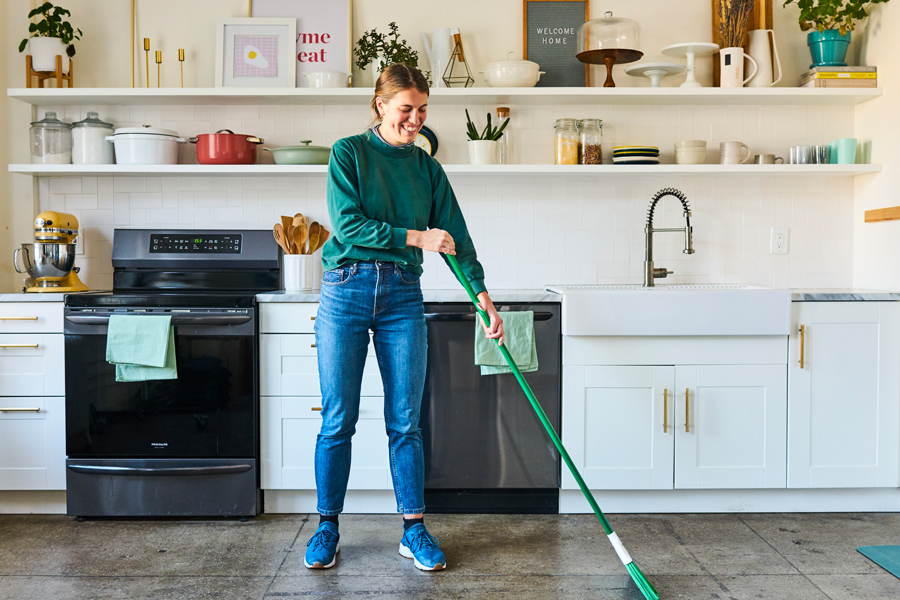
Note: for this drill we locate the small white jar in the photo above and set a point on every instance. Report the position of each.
(89, 144)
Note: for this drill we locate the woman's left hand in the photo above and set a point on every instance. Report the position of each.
(495, 331)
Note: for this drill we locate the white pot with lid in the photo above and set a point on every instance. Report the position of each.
(146, 145)
(89, 143)
(512, 73)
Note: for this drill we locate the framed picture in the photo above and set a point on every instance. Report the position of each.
(255, 53)
(550, 38)
(324, 33)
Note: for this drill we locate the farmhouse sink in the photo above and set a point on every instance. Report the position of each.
(673, 310)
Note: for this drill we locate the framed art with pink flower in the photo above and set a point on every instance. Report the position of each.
(255, 52)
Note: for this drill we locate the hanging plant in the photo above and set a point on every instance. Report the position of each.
(53, 26)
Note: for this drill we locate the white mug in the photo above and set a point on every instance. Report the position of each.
(731, 73)
(730, 153)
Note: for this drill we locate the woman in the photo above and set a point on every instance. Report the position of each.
(388, 200)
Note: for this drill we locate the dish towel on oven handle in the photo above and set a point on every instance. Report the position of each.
(141, 347)
(519, 340)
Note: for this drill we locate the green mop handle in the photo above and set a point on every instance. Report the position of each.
(534, 403)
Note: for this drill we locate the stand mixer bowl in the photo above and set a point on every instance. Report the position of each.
(45, 260)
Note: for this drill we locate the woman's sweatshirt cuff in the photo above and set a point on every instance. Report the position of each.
(478, 286)
(398, 238)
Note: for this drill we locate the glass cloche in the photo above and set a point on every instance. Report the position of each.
(609, 41)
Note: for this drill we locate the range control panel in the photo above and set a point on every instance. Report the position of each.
(196, 243)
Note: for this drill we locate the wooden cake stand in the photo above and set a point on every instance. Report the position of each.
(609, 57)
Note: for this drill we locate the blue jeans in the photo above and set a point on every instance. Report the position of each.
(381, 297)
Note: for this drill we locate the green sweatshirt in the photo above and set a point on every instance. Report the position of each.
(376, 192)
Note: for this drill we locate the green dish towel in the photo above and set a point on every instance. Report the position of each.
(141, 347)
(519, 341)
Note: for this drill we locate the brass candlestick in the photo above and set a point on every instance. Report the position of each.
(147, 56)
(181, 61)
(158, 62)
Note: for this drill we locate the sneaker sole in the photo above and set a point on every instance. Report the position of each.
(407, 553)
(319, 565)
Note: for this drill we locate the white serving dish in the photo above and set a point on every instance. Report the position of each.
(146, 145)
(512, 73)
(679, 310)
(327, 79)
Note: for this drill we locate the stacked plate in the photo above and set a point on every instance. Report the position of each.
(635, 155)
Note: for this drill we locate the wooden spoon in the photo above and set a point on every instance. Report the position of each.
(285, 222)
(313, 236)
(281, 237)
(298, 243)
(289, 238)
(323, 236)
(304, 232)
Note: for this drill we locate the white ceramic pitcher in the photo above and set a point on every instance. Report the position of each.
(759, 49)
(438, 51)
(731, 73)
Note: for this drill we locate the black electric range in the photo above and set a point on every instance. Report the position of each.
(181, 447)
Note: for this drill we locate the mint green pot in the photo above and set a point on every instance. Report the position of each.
(828, 48)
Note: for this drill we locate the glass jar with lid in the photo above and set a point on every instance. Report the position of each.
(89, 144)
(590, 141)
(51, 141)
(566, 142)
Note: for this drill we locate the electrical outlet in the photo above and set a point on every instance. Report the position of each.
(779, 244)
(79, 242)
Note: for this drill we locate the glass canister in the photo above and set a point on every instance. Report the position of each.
(89, 145)
(566, 142)
(590, 141)
(51, 141)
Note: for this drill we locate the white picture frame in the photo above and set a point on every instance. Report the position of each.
(267, 39)
(315, 20)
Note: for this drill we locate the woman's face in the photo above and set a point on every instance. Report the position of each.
(402, 116)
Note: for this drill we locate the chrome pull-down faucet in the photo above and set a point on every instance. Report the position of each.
(651, 273)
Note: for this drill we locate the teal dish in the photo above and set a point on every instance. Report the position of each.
(828, 48)
(301, 155)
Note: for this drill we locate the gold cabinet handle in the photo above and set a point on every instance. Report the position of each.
(18, 345)
(312, 318)
(665, 410)
(18, 318)
(802, 343)
(20, 410)
(316, 408)
(687, 410)
(312, 345)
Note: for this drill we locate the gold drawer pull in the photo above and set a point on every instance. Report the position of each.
(665, 410)
(687, 410)
(316, 408)
(802, 343)
(18, 318)
(20, 410)
(18, 345)
(312, 345)
(312, 318)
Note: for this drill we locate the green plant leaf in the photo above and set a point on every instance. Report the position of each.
(23, 44)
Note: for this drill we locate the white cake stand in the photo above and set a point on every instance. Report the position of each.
(691, 50)
(655, 71)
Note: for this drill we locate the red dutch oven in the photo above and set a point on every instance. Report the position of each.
(229, 148)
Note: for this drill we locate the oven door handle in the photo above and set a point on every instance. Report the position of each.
(168, 471)
(176, 320)
(538, 316)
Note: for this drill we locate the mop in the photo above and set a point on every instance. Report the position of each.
(645, 586)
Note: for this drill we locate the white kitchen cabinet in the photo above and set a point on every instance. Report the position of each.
(844, 399)
(675, 426)
(32, 365)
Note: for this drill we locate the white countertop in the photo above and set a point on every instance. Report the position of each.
(457, 295)
(35, 297)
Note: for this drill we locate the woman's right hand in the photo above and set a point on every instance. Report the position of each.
(433, 240)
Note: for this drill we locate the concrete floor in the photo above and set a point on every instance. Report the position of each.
(724, 557)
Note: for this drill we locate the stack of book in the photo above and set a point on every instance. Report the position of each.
(840, 77)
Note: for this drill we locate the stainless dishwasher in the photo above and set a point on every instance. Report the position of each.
(485, 449)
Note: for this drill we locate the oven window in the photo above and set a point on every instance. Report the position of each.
(208, 411)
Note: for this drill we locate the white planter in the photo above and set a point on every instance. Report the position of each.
(298, 271)
(43, 51)
(482, 152)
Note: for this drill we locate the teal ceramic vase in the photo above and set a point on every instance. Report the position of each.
(828, 48)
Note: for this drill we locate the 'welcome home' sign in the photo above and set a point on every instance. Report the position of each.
(551, 29)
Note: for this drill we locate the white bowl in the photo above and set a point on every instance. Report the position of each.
(690, 156)
(512, 73)
(327, 79)
(690, 144)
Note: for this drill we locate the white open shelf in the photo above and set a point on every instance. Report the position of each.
(459, 169)
(447, 96)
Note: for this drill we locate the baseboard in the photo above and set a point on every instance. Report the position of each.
(33, 502)
(304, 501)
(734, 501)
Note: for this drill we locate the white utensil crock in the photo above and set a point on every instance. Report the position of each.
(298, 271)
(731, 73)
(760, 51)
(482, 152)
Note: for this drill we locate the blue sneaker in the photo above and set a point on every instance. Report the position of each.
(322, 547)
(422, 547)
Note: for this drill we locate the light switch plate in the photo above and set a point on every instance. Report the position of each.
(779, 243)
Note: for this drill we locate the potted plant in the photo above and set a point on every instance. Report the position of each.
(50, 37)
(380, 50)
(831, 22)
(483, 146)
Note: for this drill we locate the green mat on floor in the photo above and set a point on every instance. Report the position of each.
(886, 557)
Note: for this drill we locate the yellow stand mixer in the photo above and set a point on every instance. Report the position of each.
(49, 261)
